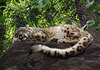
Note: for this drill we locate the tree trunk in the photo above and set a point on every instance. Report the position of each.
(17, 56)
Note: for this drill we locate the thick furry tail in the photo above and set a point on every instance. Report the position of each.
(72, 51)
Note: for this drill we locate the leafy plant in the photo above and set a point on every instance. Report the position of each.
(2, 27)
(37, 13)
(93, 6)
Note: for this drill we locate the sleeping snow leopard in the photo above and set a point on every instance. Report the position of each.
(63, 33)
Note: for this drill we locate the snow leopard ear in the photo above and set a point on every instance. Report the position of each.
(27, 25)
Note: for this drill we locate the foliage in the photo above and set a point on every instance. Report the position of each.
(3, 43)
(43, 13)
(37, 13)
(2, 7)
(93, 6)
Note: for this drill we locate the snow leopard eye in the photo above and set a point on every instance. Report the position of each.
(20, 36)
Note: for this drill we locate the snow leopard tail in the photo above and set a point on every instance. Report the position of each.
(72, 51)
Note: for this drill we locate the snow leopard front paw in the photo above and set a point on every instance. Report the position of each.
(62, 41)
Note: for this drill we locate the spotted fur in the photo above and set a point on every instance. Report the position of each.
(63, 33)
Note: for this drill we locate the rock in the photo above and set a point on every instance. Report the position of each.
(17, 58)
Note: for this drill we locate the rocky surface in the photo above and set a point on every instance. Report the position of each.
(17, 58)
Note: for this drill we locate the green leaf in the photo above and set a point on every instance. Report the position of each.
(90, 22)
(42, 3)
(82, 1)
(90, 6)
(73, 0)
(2, 6)
(98, 26)
(85, 27)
